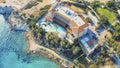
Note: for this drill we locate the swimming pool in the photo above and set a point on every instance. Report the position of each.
(57, 27)
(50, 26)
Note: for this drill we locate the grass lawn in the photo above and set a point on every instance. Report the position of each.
(77, 9)
(110, 15)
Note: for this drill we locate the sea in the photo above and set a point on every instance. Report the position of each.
(13, 50)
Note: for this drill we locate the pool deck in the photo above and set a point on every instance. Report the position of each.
(54, 27)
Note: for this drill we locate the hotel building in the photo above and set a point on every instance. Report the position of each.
(70, 20)
(75, 25)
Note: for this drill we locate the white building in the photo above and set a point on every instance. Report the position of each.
(70, 20)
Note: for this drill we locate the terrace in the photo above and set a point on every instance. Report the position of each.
(54, 27)
(70, 14)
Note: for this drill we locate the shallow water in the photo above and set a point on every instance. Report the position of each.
(13, 50)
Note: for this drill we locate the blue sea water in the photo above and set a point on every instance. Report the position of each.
(13, 47)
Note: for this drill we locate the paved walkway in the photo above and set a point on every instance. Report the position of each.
(94, 12)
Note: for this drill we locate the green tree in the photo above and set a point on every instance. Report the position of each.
(112, 5)
(40, 0)
(76, 49)
(103, 22)
(116, 34)
(88, 20)
(100, 61)
(95, 4)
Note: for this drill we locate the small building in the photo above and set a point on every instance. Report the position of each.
(118, 12)
(70, 20)
(89, 42)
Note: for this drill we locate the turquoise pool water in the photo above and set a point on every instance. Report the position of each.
(54, 26)
(57, 27)
(13, 50)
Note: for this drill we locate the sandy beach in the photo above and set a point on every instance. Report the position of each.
(34, 47)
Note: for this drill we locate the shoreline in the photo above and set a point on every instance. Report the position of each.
(34, 48)
(37, 49)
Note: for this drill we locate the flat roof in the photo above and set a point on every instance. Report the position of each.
(84, 42)
(70, 14)
(89, 42)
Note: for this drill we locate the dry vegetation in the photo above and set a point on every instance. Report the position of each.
(102, 1)
(35, 9)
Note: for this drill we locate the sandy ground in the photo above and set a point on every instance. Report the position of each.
(1, 1)
(33, 46)
(17, 4)
(35, 9)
